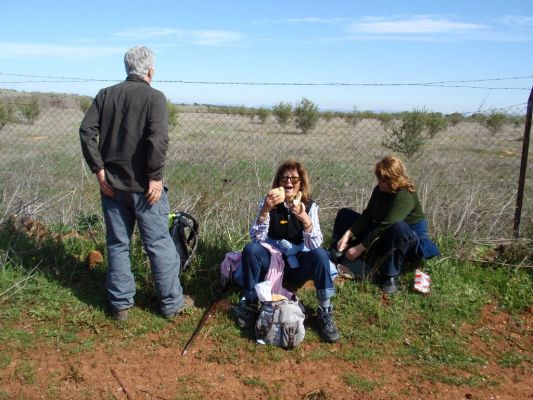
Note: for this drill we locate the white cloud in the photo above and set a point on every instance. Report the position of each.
(517, 20)
(196, 37)
(43, 50)
(213, 38)
(148, 32)
(302, 20)
(413, 25)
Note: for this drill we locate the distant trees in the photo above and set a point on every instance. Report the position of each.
(23, 110)
(306, 115)
(173, 114)
(282, 112)
(409, 134)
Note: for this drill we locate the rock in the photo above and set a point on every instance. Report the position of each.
(94, 259)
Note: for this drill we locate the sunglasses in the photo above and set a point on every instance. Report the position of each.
(285, 179)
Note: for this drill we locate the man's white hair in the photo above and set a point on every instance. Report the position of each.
(138, 60)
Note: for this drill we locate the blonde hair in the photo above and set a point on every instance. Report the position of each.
(292, 164)
(392, 170)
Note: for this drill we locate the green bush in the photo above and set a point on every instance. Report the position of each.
(262, 114)
(6, 114)
(327, 115)
(353, 117)
(455, 118)
(495, 122)
(435, 123)
(173, 114)
(283, 113)
(306, 115)
(30, 111)
(85, 104)
(407, 137)
(385, 119)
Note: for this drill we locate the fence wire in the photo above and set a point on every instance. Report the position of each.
(221, 160)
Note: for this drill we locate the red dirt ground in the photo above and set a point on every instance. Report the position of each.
(146, 370)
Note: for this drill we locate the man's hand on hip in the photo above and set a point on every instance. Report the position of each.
(105, 187)
(155, 189)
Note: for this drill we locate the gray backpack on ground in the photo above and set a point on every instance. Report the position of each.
(280, 323)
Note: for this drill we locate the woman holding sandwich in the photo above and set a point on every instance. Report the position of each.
(287, 221)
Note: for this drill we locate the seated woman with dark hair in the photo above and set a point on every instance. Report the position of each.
(392, 228)
(288, 222)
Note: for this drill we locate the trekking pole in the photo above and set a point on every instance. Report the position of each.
(199, 327)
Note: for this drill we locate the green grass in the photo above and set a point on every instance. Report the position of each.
(49, 298)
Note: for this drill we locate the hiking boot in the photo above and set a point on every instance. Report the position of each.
(121, 315)
(188, 303)
(245, 313)
(328, 329)
(390, 285)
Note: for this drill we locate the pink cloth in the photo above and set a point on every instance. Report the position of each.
(275, 271)
(232, 261)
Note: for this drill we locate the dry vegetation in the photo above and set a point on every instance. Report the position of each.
(466, 174)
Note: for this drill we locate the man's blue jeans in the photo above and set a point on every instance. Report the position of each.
(121, 212)
(314, 264)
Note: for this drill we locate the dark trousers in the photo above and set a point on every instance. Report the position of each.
(388, 253)
(314, 265)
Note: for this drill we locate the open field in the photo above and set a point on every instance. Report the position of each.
(469, 339)
(466, 175)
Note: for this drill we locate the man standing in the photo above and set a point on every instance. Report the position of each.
(124, 139)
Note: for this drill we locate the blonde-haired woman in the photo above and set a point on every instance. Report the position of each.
(391, 229)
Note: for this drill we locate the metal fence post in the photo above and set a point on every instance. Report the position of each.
(523, 166)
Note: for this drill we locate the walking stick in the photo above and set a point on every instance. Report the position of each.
(200, 325)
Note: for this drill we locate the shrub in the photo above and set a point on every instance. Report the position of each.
(283, 113)
(495, 122)
(173, 114)
(385, 119)
(435, 122)
(30, 111)
(85, 104)
(306, 115)
(6, 114)
(262, 114)
(407, 138)
(353, 117)
(327, 115)
(455, 118)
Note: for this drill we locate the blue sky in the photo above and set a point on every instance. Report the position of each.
(373, 46)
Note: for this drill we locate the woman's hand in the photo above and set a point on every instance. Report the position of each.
(298, 210)
(273, 198)
(354, 252)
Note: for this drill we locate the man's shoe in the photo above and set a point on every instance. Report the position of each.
(121, 315)
(390, 285)
(188, 303)
(245, 313)
(328, 329)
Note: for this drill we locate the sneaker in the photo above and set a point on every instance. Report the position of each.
(390, 285)
(245, 313)
(188, 303)
(328, 329)
(121, 315)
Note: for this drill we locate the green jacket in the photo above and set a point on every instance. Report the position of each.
(385, 209)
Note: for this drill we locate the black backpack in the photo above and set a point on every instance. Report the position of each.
(183, 229)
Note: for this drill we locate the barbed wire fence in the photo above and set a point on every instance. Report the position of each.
(221, 159)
